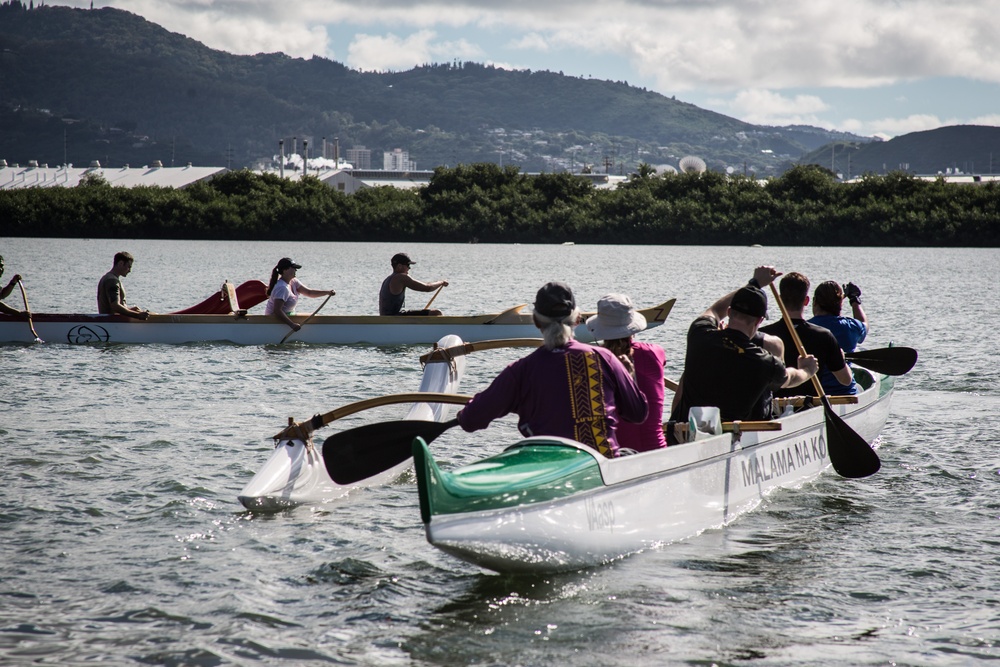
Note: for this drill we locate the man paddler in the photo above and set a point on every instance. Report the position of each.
(5, 292)
(111, 292)
(392, 295)
(725, 368)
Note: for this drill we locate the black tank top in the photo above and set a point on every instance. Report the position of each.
(389, 303)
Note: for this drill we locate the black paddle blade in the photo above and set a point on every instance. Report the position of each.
(885, 360)
(850, 454)
(359, 453)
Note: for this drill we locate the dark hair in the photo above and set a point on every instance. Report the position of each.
(829, 297)
(619, 346)
(123, 257)
(794, 290)
(275, 273)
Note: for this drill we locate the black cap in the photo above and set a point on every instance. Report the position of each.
(750, 300)
(285, 263)
(555, 300)
(401, 258)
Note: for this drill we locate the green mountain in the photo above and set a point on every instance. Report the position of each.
(968, 149)
(78, 85)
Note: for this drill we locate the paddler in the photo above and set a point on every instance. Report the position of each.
(564, 388)
(284, 290)
(111, 292)
(5, 292)
(392, 295)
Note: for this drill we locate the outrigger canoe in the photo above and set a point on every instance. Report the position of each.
(550, 504)
(240, 328)
(295, 473)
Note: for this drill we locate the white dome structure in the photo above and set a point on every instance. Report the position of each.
(691, 164)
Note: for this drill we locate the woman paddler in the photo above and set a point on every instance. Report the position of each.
(284, 290)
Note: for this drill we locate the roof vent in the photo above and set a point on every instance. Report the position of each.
(157, 164)
(3, 164)
(32, 164)
(95, 164)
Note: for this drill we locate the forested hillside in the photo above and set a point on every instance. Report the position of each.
(106, 84)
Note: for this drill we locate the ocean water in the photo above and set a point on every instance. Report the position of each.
(122, 542)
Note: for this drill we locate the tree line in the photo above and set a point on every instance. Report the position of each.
(488, 203)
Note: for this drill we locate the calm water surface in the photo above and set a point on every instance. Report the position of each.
(122, 542)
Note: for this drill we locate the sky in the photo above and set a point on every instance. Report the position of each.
(871, 67)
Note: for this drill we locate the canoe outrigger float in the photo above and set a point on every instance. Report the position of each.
(222, 318)
(550, 504)
(295, 474)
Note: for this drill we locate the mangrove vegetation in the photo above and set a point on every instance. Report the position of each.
(488, 203)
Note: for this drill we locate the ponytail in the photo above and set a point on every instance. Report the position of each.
(274, 279)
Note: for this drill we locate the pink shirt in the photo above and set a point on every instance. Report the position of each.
(648, 360)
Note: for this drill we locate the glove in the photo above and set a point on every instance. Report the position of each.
(853, 293)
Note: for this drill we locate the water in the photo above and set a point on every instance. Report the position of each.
(122, 542)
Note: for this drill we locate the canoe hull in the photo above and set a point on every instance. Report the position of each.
(296, 474)
(648, 499)
(177, 329)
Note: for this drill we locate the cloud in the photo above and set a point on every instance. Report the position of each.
(391, 52)
(723, 45)
(766, 107)
(530, 42)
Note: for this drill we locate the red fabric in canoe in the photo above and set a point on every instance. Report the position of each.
(249, 294)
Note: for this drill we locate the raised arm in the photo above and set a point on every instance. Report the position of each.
(418, 286)
(853, 294)
(762, 277)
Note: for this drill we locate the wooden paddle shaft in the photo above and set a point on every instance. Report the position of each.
(434, 297)
(311, 315)
(27, 309)
(308, 426)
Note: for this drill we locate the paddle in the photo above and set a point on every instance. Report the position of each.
(303, 429)
(850, 454)
(447, 353)
(307, 319)
(24, 296)
(434, 297)
(885, 360)
(363, 452)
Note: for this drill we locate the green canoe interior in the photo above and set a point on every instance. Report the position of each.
(519, 475)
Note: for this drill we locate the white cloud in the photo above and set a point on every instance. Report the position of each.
(766, 107)
(391, 52)
(530, 42)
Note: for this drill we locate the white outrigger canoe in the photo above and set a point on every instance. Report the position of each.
(295, 474)
(550, 504)
(243, 329)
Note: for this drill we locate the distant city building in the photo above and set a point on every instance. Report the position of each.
(398, 160)
(35, 175)
(360, 157)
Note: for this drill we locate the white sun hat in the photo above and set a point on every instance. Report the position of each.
(616, 318)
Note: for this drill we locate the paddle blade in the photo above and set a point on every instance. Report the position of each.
(359, 453)
(850, 454)
(886, 360)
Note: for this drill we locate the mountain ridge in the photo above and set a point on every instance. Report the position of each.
(106, 84)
